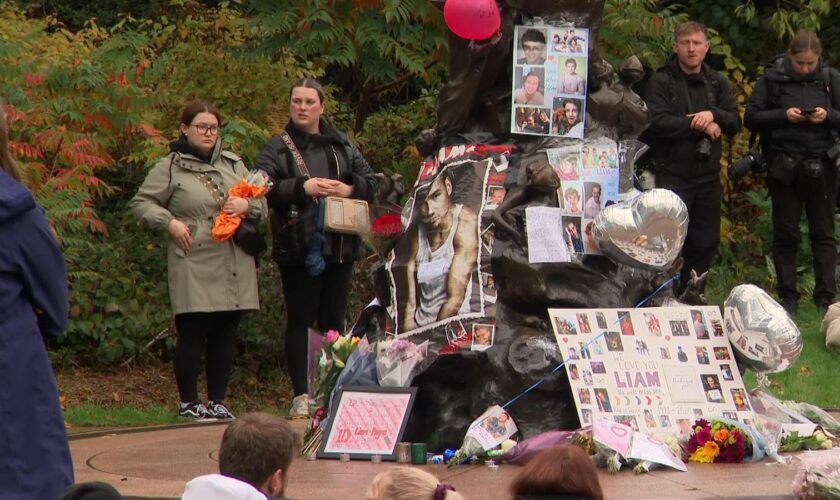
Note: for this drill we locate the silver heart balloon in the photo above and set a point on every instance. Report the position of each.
(647, 231)
(761, 332)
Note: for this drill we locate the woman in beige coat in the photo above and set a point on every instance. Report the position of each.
(210, 283)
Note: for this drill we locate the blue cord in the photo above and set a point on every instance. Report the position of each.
(561, 365)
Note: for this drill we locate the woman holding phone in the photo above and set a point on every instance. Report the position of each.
(795, 108)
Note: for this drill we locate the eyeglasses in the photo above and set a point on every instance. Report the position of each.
(204, 129)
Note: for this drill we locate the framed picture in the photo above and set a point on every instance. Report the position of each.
(367, 421)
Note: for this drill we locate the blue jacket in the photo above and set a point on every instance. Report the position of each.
(35, 458)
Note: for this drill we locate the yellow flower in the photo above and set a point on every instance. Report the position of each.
(354, 341)
(721, 436)
(706, 454)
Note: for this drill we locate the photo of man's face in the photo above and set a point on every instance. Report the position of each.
(437, 204)
(532, 46)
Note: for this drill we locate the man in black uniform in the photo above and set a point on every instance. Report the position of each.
(691, 106)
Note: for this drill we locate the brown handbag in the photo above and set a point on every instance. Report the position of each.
(341, 215)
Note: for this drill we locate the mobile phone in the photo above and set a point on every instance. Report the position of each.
(808, 111)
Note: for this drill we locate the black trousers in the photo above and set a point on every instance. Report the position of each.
(703, 235)
(215, 333)
(819, 198)
(310, 300)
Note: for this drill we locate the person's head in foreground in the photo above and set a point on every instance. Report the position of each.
(564, 471)
(407, 483)
(257, 448)
(91, 491)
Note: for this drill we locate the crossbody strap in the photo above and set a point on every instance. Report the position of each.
(211, 186)
(301, 165)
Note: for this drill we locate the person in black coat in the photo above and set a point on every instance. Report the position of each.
(795, 107)
(335, 168)
(691, 106)
(35, 460)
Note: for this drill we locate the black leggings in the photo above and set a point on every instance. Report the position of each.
(215, 331)
(322, 299)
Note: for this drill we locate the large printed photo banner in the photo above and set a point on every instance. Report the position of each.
(442, 286)
(549, 81)
(589, 181)
(655, 369)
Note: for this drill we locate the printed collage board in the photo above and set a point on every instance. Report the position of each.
(549, 81)
(655, 369)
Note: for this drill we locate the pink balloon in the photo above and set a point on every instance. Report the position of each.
(472, 19)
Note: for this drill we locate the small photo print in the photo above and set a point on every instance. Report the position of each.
(682, 357)
(717, 328)
(495, 197)
(613, 340)
(573, 354)
(679, 328)
(571, 233)
(571, 198)
(482, 336)
(584, 351)
(628, 420)
(711, 387)
(652, 323)
(663, 353)
(603, 400)
(731, 415)
(642, 348)
(698, 413)
(625, 323)
(598, 367)
(587, 377)
(455, 332)
(685, 425)
(702, 355)
(586, 413)
(584, 397)
(489, 287)
(564, 326)
(726, 373)
(739, 396)
(583, 323)
(721, 353)
(601, 320)
(596, 346)
(487, 238)
(573, 372)
(664, 421)
(699, 324)
(650, 420)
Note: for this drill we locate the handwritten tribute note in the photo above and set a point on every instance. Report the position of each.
(545, 237)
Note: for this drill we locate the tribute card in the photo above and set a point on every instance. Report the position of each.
(654, 369)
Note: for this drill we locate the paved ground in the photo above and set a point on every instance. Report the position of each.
(157, 464)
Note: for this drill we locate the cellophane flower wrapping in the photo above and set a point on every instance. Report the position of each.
(254, 186)
(334, 353)
(817, 476)
(397, 361)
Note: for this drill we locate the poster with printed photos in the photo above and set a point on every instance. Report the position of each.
(549, 81)
(589, 181)
(655, 369)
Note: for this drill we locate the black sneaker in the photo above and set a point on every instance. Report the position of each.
(195, 410)
(218, 410)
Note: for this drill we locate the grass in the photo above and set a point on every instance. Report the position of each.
(811, 379)
(119, 416)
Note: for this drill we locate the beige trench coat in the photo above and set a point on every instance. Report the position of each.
(211, 276)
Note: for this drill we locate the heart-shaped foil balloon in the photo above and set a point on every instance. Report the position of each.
(761, 332)
(647, 231)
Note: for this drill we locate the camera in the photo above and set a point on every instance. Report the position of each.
(751, 162)
(703, 150)
(811, 169)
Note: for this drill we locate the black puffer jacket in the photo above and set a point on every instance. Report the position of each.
(331, 155)
(781, 88)
(671, 95)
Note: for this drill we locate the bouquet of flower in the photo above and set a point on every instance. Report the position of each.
(334, 353)
(818, 476)
(717, 441)
(254, 185)
(397, 361)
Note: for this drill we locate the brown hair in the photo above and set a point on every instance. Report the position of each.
(193, 108)
(7, 164)
(309, 83)
(804, 41)
(255, 446)
(407, 483)
(689, 28)
(565, 469)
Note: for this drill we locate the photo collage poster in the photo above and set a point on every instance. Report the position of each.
(655, 369)
(449, 230)
(549, 81)
(589, 181)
